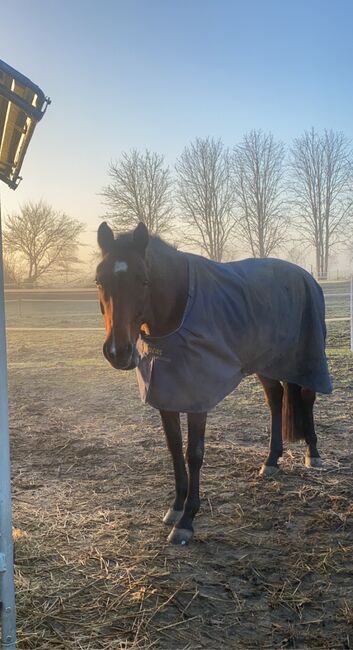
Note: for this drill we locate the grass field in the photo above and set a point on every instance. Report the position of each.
(271, 564)
(337, 299)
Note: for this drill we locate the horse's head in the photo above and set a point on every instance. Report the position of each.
(122, 282)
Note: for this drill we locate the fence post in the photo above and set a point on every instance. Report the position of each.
(7, 588)
(352, 313)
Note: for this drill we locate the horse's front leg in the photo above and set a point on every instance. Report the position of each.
(183, 530)
(171, 426)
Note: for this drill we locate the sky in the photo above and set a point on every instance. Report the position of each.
(130, 74)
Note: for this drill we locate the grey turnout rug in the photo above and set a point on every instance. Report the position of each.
(261, 316)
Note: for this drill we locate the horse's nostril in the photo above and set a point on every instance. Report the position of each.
(108, 351)
(124, 353)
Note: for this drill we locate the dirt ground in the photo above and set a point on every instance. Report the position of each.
(271, 563)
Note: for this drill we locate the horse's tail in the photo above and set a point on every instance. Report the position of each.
(292, 413)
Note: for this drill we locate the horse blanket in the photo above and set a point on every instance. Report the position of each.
(263, 316)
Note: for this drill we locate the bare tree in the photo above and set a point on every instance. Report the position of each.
(258, 174)
(322, 191)
(140, 190)
(12, 272)
(205, 195)
(42, 239)
(296, 252)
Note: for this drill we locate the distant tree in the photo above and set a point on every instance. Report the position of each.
(42, 239)
(322, 191)
(258, 173)
(12, 273)
(140, 190)
(296, 252)
(205, 195)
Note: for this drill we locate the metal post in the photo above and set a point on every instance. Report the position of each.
(7, 588)
(352, 313)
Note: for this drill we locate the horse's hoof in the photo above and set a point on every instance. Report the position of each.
(180, 536)
(268, 470)
(315, 463)
(172, 517)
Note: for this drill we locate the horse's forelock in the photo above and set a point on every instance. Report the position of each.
(124, 244)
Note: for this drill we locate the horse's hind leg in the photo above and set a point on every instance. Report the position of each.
(274, 395)
(312, 456)
(171, 426)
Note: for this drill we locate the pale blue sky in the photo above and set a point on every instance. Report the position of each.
(158, 73)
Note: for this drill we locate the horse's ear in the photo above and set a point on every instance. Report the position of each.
(140, 238)
(105, 238)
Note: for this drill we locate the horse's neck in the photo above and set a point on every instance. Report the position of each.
(168, 290)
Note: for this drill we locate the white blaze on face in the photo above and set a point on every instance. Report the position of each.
(120, 267)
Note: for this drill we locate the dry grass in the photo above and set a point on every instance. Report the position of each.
(270, 566)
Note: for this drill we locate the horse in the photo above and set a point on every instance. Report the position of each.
(193, 328)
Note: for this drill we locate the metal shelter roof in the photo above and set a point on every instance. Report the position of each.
(22, 105)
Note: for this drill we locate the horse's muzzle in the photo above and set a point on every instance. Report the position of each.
(121, 358)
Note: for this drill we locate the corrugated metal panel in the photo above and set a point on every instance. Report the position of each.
(22, 105)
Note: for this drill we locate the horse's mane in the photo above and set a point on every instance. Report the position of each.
(124, 241)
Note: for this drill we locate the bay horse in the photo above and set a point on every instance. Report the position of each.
(193, 328)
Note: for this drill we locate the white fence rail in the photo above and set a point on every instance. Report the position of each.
(81, 309)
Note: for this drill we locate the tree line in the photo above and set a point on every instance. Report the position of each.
(256, 196)
(39, 240)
